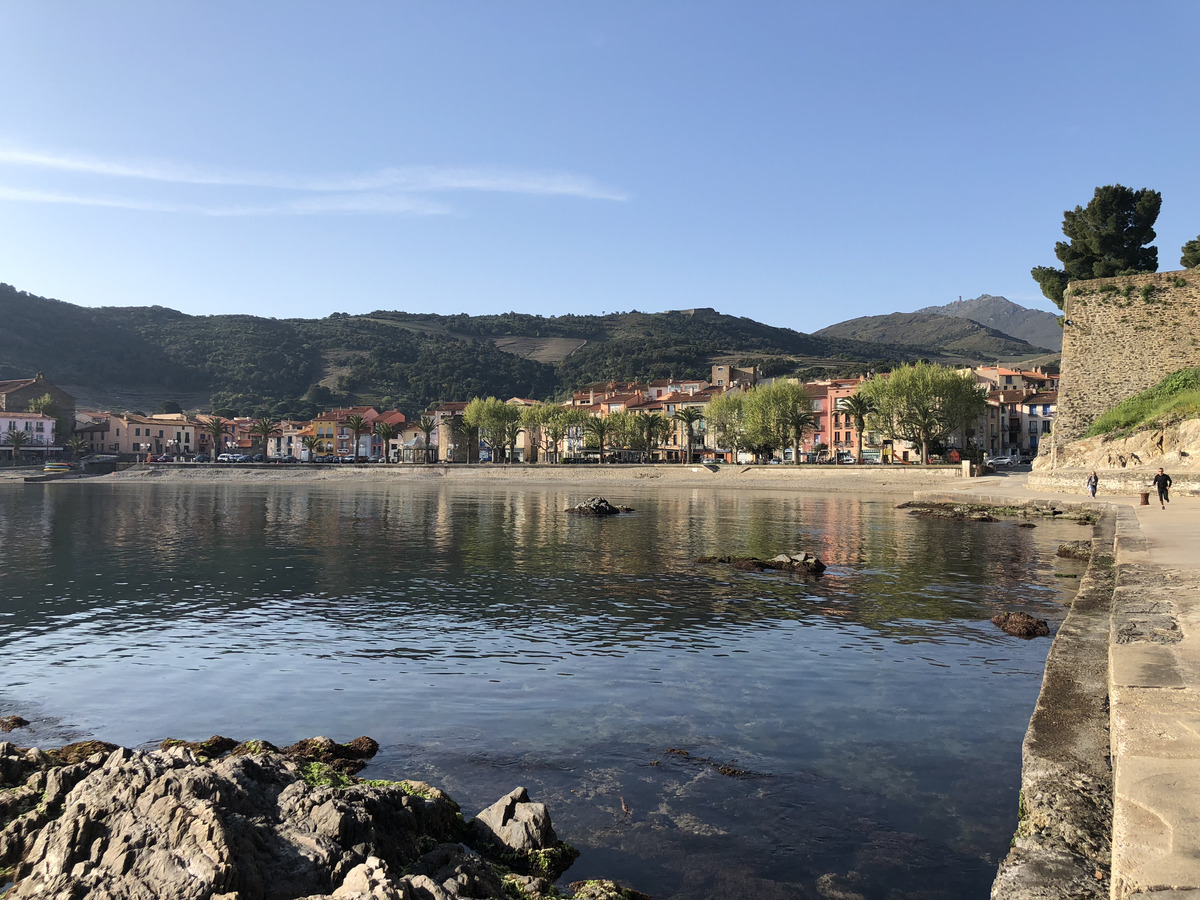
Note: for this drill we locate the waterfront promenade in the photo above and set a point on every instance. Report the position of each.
(1153, 681)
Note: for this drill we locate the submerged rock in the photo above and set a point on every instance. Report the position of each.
(597, 506)
(175, 824)
(10, 723)
(1021, 625)
(1075, 550)
(803, 562)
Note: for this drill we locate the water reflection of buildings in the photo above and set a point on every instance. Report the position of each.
(513, 547)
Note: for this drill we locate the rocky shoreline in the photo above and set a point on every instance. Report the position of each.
(228, 820)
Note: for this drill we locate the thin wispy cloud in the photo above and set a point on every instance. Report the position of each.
(306, 206)
(390, 186)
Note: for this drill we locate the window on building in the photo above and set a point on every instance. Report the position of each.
(137, 432)
(1045, 428)
(41, 426)
(1046, 409)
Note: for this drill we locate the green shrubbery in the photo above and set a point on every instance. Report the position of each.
(1174, 398)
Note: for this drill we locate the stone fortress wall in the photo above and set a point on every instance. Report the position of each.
(1125, 334)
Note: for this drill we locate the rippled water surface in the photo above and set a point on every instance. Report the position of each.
(771, 736)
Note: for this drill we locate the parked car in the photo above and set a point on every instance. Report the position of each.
(164, 458)
(244, 457)
(288, 459)
(257, 457)
(201, 457)
(997, 461)
(227, 457)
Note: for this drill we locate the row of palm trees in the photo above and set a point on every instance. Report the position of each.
(645, 429)
(650, 429)
(262, 430)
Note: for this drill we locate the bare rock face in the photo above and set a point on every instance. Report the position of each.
(171, 825)
(597, 506)
(1021, 625)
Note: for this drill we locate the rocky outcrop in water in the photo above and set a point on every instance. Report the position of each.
(805, 563)
(597, 506)
(212, 822)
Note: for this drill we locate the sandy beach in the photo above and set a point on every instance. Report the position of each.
(824, 479)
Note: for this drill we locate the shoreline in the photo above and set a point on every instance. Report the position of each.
(829, 479)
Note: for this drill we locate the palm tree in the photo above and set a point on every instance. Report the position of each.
(797, 421)
(215, 428)
(357, 424)
(266, 428)
(385, 431)
(512, 433)
(688, 416)
(652, 427)
(16, 440)
(77, 444)
(426, 425)
(858, 407)
(598, 428)
(312, 444)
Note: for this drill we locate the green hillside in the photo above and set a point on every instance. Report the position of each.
(139, 357)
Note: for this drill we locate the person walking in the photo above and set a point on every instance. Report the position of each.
(1093, 482)
(1162, 481)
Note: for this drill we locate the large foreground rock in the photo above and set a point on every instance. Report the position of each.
(171, 825)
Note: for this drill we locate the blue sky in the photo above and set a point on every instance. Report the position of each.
(797, 163)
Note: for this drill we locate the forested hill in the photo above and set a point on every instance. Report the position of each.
(138, 357)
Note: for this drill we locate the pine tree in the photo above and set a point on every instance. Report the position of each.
(1108, 237)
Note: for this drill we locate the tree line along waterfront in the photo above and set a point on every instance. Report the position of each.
(913, 413)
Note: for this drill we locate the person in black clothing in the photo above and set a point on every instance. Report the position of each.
(1162, 481)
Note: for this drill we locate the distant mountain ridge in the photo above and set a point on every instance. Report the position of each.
(959, 336)
(1039, 328)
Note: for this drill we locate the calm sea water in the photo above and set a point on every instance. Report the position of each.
(771, 736)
